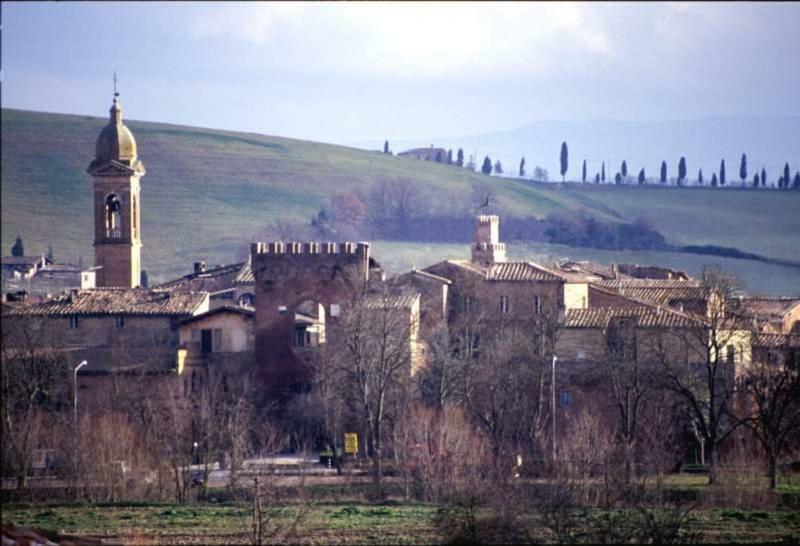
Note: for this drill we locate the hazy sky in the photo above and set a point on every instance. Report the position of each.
(352, 71)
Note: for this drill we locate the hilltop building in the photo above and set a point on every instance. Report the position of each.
(426, 154)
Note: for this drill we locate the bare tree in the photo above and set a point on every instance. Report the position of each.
(771, 396)
(36, 389)
(630, 377)
(373, 339)
(699, 366)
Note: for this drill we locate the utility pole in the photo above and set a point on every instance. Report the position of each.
(553, 405)
(78, 367)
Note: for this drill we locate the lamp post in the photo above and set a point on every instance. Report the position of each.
(553, 405)
(78, 367)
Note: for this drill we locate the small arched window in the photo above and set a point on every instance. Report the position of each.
(113, 209)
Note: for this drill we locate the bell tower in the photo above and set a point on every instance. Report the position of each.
(116, 170)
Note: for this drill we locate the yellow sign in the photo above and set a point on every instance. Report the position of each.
(350, 442)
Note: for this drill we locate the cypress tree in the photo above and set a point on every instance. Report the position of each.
(681, 170)
(743, 168)
(564, 160)
(386, 147)
(450, 156)
(722, 173)
(786, 175)
(617, 178)
(756, 181)
(700, 177)
(439, 156)
(460, 158)
(603, 173)
(763, 177)
(663, 172)
(714, 180)
(522, 167)
(597, 178)
(18, 250)
(641, 176)
(50, 255)
(624, 170)
(797, 180)
(498, 167)
(583, 177)
(143, 279)
(487, 165)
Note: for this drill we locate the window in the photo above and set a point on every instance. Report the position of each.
(73, 322)
(504, 304)
(772, 358)
(206, 341)
(335, 309)
(537, 305)
(731, 354)
(247, 300)
(566, 398)
(113, 206)
(302, 337)
(468, 302)
(621, 339)
(119, 321)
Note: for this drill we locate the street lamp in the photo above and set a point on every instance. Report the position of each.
(78, 367)
(553, 406)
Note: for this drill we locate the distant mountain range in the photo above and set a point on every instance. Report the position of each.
(769, 142)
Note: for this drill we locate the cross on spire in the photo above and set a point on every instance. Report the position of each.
(115, 84)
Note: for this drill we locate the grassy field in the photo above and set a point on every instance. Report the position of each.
(336, 523)
(208, 193)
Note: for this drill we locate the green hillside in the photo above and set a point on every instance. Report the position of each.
(208, 193)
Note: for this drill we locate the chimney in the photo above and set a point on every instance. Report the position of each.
(199, 267)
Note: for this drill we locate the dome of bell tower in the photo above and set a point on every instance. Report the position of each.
(116, 140)
(115, 144)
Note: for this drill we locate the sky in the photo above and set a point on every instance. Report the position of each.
(347, 72)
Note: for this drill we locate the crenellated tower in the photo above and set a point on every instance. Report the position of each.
(487, 248)
(116, 170)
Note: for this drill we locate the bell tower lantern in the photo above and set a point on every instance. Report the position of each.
(116, 170)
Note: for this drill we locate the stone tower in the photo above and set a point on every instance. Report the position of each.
(117, 237)
(487, 248)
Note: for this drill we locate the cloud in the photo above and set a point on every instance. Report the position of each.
(412, 39)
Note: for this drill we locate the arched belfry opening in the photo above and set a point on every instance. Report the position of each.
(113, 210)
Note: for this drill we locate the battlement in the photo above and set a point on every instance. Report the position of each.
(308, 249)
(488, 219)
(486, 247)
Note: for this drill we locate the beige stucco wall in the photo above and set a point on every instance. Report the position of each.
(576, 295)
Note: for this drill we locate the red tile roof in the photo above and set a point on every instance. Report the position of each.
(116, 301)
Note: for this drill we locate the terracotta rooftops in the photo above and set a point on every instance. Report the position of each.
(646, 317)
(767, 307)
(213, 281)
(236, 310)
(777, 340)
(402, 300)
(657, 291)
(116, 301)
(520, 271)
(21, 260)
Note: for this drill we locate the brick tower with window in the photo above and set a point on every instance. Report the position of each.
(116, 170)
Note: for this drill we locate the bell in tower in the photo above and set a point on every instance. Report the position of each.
(116, 170)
